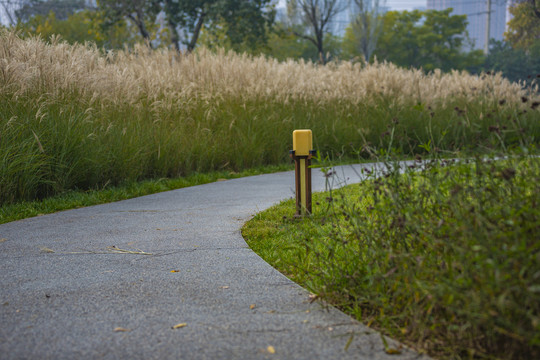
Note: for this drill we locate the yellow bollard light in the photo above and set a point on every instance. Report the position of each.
(302, 153)
(302, 142)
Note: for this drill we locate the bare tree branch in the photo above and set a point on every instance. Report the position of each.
(318, 14)
(368, 25)
(8, 12)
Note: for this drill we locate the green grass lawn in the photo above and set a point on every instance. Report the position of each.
(446, 259)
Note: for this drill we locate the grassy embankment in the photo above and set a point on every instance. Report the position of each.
(73, 118)
(446, 259)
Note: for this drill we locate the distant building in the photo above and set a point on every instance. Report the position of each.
(477, 15)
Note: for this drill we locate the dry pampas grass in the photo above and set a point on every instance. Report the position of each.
(167, 77)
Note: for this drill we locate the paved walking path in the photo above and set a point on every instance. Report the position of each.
(66, 295)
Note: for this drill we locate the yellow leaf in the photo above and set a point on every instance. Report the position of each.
(2, 240)
(271, 350)
(252, 306)
(175, 270)
(393, 351)
(120, 329)
(224, 287)
(178, 326)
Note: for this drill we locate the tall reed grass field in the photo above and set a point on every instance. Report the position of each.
(76, 117)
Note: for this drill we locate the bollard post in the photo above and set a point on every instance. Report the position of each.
(302, 153)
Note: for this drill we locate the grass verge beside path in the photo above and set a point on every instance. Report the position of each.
(76, 199)
(447, 260)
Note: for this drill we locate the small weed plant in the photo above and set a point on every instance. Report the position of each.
(444, 255)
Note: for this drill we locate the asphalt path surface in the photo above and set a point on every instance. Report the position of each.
(69, 291)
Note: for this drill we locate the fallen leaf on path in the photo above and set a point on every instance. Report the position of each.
(271, 350)
(252, 306)
(117, 250)
(120, 329)
(178, 326)
(175, 270)
(224, 287)
(389, 350)
(2, 240)
(44, 249)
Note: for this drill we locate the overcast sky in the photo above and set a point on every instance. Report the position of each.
(405, 4)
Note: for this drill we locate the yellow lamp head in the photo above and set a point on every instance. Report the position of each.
(302, 142)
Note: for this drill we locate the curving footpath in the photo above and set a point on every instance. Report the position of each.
(67, 293)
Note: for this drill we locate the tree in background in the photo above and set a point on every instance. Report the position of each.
(80, 27)
(142, 13)
(284, 45)
(240, 21)
(62, 9)
(367, 26)
(21, 11)
(518, 65)
(286, 40)
(318, 16)
(524, 27)
(426, 39)
(534, 4)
